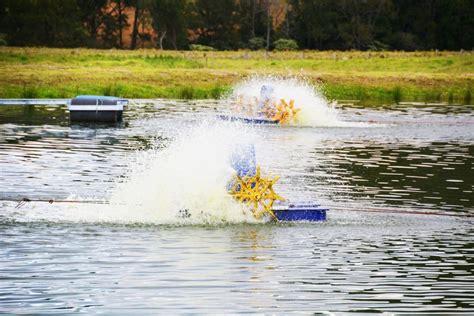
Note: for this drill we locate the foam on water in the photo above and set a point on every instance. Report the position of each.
(185, 183)
(188, 180)
(315, 109)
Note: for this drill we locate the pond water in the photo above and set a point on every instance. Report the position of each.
(98, 258)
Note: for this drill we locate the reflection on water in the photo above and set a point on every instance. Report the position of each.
(436, 175)
(403, 156)
(275, 269)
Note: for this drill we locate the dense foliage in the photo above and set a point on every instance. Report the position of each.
(236, 24)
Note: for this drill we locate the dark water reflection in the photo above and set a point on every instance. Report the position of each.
(407, 157)
(437, 175)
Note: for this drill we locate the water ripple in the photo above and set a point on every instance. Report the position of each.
(408, 157)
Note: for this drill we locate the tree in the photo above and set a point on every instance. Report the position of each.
(231, 24)
(169, 21)
(361, 18)
(92, 15)
(43, 22)
(269, 22)
(343, 24)
(137, 4)
(316, 24)
(215, 23)
(284, 44)
(455, 22)
(122, 17)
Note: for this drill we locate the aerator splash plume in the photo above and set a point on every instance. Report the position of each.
(283, 101)
(187, 181)
(196, 179)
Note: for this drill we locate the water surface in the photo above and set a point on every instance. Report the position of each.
(411, 157)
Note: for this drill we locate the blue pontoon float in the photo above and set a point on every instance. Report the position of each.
(95, 108)
(300, 212)
(247, 120)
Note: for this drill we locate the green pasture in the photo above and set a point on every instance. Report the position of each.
(149, 73)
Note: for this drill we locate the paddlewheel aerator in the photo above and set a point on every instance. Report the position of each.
(257, 192)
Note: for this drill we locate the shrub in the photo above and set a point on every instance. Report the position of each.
(467, 96)
(397, 94)
(256, 43)
(113, 90)
(30, 92)
(285, 44)
(378, 46)
(3, 41)
(202, 48)
(405, 41)
(217, 91)
(186, 92)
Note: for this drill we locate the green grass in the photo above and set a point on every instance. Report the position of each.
(29, 92)
(394, 76)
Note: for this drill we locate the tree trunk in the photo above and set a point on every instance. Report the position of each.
(133, 45)
(173, 38)
(162, 37)
(121, 24)
(93, 31)
(253, 17)
(269, 24)
(143, 32)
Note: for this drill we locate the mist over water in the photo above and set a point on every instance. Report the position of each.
(191, 176)
(185, 181)
(315, 109)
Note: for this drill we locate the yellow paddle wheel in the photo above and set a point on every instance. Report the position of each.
(282, 112)
(285, 112)
(256, 192)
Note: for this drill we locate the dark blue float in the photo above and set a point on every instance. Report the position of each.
(300, 212)
(96, 108)
(248, 120)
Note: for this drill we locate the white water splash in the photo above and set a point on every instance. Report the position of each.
(315, 109)
(187, 182)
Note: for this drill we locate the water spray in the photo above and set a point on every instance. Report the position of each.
(280, 101)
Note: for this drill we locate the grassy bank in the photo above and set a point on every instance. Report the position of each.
(391, 76)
